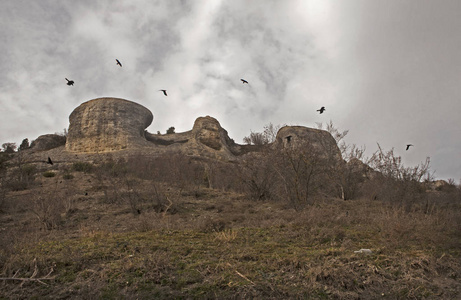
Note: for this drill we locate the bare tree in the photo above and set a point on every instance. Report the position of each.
(337, 135)
(170, 130)
(24, 145)
(256, 138)
(270, 131)
(9, 147)
(391, 166)
(262, 138)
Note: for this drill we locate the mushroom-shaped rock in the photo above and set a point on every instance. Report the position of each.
(107, 124)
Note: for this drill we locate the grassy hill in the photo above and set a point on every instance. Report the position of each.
(85, 230)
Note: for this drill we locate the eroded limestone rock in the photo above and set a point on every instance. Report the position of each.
(107, 124)
(320, 141)
(111, 124)
(47, 142)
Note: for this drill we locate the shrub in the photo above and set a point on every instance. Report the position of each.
(49, 174)
(82, 167)
(170, 130)
(48, 206)
(68, 176)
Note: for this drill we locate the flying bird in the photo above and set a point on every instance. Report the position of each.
(244, 81)
(321, 110)
(118, 62)
(408, 146)
(49, 161)
(164, 92)
(70, 82)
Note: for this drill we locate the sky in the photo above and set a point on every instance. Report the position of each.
(387, 71)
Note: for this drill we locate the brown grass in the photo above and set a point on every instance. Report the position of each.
(110, 232)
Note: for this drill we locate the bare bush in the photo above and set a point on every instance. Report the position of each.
(293, 173)
(255, 138)
(262, 138)
(21, 174)
(305, 171)
(47, 207)
(9, 147)
(391, 166)
(257, 173)
(395, 182)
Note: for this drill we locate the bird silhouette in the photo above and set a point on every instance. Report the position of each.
(70, 82)
(321, 110)
(118, 62)
(164, 92)
(50, 162)
(408, 147)
(244, 81)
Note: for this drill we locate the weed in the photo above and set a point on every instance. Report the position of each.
(227, 235)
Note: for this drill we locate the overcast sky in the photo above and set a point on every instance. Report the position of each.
(388, 71)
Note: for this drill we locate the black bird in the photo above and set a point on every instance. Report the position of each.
(70, 82)
(321, 110)
(164, 92)
(118, 62)
(244, 81)
(49, 161)
(408, 146)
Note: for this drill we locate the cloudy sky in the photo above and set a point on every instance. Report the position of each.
(388, 71)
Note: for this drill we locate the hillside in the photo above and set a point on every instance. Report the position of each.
(195, 215)
(100, 230)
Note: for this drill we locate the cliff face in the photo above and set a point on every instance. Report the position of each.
(107, 124)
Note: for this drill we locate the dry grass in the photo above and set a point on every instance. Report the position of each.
(111, 234)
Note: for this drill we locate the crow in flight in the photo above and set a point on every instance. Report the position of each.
(408, 146)
(321, 110)
(49, 161)
(118, 62)
(70, 82)
(164, 92)
(244, 81)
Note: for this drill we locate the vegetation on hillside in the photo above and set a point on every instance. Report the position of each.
(275, 225)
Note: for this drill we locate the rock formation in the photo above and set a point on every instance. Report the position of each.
(107, 124)
(321, 141)
(207, 138)
(47, 142)
(111, 124)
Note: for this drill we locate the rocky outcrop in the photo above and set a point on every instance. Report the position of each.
(206, 139)
(319, 141)
(111, 124)
(107, 124)
(47, 142)
(360, 171)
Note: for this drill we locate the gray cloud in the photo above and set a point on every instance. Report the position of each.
(387, 71)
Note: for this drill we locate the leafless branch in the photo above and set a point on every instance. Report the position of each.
(31, 278)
